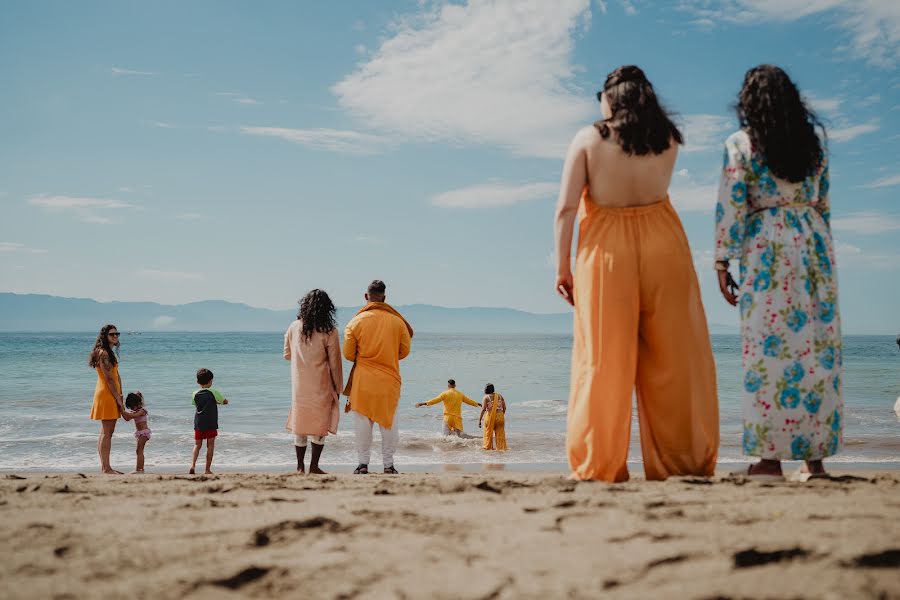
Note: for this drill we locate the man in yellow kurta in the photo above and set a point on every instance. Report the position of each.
(376, 339)
(453, 400)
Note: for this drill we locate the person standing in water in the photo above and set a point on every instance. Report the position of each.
(453, 400)
(639, 318)
(495, 426)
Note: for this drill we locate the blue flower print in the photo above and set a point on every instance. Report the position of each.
(808, 190)
(826, 312)
(762, 282)
(825, 264)
(768, 256)
(790, 397)
(792, 221)
(735, 232)
(754, 226)
(739, 192)
(819, 244)
(768, 185)
(796, 320)
(752, 381)
(808, 285)
(720, 212)
(824, 184)
(756, 165)
(746, 303)
(751, 441)
(827, 358)
(832, 445)
(836, 383)
(835, 421)
(772, 345)
(742, 271)
(812, 401)
(800, 447)
(794, 373)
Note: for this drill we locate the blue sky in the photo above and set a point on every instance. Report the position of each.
(245, 151)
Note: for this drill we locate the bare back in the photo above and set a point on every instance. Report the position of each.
(616, 179)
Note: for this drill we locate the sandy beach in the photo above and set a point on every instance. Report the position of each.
(451, 535)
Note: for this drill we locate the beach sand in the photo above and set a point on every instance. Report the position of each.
(451, 535)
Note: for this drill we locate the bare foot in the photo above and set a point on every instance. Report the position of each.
(300, 470)
(814, 468)
(137, 472)
(111, 471)
(316, 471)
(191, 472)
(207, 472)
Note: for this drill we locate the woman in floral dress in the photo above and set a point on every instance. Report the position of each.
(773, 216)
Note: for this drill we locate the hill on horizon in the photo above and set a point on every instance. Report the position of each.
(41, 312)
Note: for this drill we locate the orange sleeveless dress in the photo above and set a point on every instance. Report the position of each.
(105, 406)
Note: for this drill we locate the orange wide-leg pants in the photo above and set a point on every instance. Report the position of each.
(639, 323)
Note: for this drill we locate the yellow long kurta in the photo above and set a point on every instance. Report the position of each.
(376, 340)
(453, 400)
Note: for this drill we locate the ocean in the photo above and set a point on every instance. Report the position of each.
(46, 389)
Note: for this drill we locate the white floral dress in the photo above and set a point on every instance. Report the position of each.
(790, 324)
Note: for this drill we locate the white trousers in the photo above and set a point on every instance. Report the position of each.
(389, 439)
(300, 440)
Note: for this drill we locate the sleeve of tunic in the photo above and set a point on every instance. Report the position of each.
(349, 344)
(469, 401)
(287, 344)
(824, 203)
(405, 342)
(333, 349)
(433, 401)
(731, 208)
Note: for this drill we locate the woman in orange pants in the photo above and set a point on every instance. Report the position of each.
(639, 320)
(495, 426)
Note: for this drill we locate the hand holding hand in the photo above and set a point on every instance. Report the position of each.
(225, 401)
(347, 407)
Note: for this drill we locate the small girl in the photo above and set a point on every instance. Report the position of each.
(135, 403)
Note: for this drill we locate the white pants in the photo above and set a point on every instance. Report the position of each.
(389, 439)
(300, 440)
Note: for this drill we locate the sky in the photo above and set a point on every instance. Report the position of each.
(183, 151)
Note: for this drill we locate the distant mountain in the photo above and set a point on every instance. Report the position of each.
(36, 312)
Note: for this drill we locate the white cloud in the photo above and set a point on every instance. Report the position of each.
(76, 202)
(216, 128)
(368, 239)
(83, 207)
(119, 71)
(628, 7)
(492, 195)
(125, 189)
(872, 25)
(163, 321)
(830, 106)
(850, 255)
(189, 216)
(706, 132)
(688, 195)
(483, 72)
(360, 49)
(239, 98)
(335, 140)
(885, 181)
(167, 276)
(10, 247)
(163, 125)
(866, 223)
(845, 134)
(245, 100)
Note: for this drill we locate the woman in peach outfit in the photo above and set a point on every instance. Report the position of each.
(311, 344)
(639, 321)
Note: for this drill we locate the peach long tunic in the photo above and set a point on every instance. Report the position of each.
(376, 340)
(316, 380)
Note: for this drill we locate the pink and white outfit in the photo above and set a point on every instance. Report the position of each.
(142, 433)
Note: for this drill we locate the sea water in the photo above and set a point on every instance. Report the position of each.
(46, 390)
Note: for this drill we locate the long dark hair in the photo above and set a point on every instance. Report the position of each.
(317, 313)
(102, 345)
(782, 128)
(641, 124)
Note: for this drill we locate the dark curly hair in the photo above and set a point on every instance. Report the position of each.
(102, 345)
(317, 313)
(782, 128)
(641, 124)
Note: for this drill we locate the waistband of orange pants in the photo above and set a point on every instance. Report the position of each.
(624, 211)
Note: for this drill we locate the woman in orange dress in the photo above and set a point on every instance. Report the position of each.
(639, 320)
(495, 425)
(108, 404)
